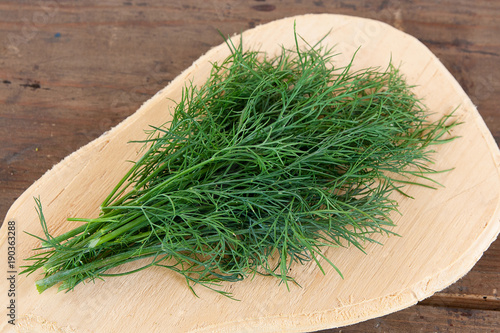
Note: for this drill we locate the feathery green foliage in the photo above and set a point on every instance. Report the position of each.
(268, 163)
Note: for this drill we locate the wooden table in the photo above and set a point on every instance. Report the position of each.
(69, 71)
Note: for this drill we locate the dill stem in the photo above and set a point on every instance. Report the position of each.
(153, 191)
(109, 262)
(117, 232)
(112, 195)
(67, 235)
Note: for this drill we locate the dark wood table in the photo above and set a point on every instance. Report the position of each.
(70, 71)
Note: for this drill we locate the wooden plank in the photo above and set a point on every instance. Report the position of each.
(464, 301)
(429, 319)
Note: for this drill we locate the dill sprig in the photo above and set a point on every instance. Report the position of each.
(266, 164)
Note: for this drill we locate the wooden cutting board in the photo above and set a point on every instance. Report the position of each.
(444, 231)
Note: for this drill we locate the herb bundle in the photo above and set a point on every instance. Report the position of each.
(266, 164)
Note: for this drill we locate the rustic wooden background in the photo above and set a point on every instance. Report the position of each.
(70, 70)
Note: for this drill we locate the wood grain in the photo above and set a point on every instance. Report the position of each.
(67, 79)
(429, 319)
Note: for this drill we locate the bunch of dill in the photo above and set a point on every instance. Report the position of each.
(264, 165)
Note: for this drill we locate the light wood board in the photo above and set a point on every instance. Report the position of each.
(444, 232)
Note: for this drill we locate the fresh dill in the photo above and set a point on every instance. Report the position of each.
(266, 164)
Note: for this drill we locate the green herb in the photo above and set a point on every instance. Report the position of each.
(269, 162)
